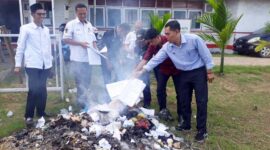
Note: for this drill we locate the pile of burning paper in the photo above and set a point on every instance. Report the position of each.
(119, 125)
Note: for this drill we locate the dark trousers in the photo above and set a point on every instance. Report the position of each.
(112, 73)
(147, 90)
(37, 94)
(82, 74)
(161, 90)
(106, 72)
(194, 80)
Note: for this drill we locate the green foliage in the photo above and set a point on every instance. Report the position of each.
(221, 23)
(267, 27)
(159, 22)
(261, 45)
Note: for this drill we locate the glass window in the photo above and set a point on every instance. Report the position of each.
(131, 16)
(99, 17)
(194, 15)
(208, 8)
(179, 14)
(162, 12)
(145, 17)
(113, 17)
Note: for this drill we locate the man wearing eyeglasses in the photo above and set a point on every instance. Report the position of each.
(79, 34)
(34, 45)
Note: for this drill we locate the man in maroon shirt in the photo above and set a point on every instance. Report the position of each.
(164, 71)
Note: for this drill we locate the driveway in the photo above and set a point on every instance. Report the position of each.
(243, 61)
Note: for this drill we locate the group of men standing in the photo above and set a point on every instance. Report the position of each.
(184, 57)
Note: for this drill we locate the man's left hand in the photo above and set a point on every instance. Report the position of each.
(210, 77)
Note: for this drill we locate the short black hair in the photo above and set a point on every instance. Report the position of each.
(125, 27)
(80, 5)
(174, 25)
(35, 7)
(151, 34)
(140, 34)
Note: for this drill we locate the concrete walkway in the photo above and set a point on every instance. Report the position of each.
(243, 61)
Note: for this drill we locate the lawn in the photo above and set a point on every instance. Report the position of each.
(238, 110)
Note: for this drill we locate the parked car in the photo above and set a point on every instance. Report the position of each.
(246, 45)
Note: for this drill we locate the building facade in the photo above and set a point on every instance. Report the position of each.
(110, 13)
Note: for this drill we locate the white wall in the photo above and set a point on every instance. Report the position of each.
(255, 13)
(60, 10)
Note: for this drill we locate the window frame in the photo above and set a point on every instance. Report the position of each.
(162, 9)
(194, 10)
(183, 10)
(104, 14)
(113, 7)
(205, 8)
(131, 8)
(146, 8)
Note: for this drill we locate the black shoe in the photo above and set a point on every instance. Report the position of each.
(201, 136)
(182, 127)
(29, 122)
(165, 114)
(146, 106)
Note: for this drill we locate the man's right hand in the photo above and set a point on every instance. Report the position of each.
(17, 70)
(84, 44)
(137, 73)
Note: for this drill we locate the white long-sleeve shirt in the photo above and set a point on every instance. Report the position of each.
(34, 44)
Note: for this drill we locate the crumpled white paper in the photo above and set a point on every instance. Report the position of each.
(9, 114)
(128, 123)
(94, 116)
(40, 122)
(149, 112)
(103, 143)
(95, 128)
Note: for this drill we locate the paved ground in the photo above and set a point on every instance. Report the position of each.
(244, 61)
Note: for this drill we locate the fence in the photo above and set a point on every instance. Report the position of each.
(57, 79)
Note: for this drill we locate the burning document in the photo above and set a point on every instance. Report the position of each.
(114, 89)
(127, 91)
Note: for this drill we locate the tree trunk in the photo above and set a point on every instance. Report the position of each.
(221, 71)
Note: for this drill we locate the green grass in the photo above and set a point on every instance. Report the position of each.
(16, 104)
(244, 70)
(238, 110)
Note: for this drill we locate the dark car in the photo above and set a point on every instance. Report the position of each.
(246, 45)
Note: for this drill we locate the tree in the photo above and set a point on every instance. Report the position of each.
(159, 22)
(221, 23)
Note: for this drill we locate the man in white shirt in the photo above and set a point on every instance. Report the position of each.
(79, 34)
(34, 45)
(130, 40)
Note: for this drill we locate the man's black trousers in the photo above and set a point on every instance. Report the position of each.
(37, 94)
(194, 80)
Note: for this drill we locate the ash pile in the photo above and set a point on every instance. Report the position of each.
(118, 125)
(135, 130)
